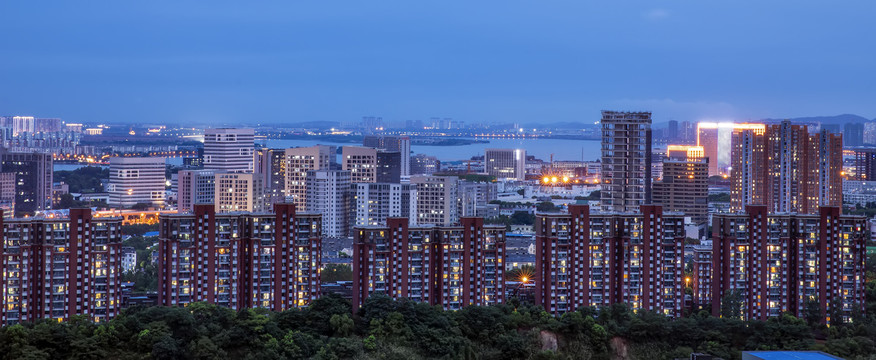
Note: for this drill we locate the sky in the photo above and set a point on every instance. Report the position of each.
(263, 62)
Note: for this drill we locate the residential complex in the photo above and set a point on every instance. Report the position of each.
(239, 192)
(773, 263)
(685, 184)
(626, 160)
(239, 260)
(361, 162)
(450, 266)
(598, 259)
(374, 203)
(786, 168)
(195, 187)
(55, 268)
(136, 180)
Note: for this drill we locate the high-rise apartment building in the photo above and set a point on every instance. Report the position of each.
(424, 165)
(450, 266)
(598, 259)
(239, 260)
(505, 163)
(136, 180)
(865, 164)
(195, 187)
(474, 197)
(389, 166)
(271, 165)
(436, 200)
(229, 150)
(685, 184)
(328, 193)
(361, 162)
(239, 192)
(777, 263)
(55, 268)
(374, 203)
(400, 144)
(7, 193)
(33, 179)
(298, 162)
(701, 281)
(626, 160)
(786, 168)
(853, 134)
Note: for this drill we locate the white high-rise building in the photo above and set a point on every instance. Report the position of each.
(436, 201)
(379, 201)
(328, 193)
(136, 180)
(361, 162)
(240, 192)
(298, 162)
(505, 163)
(195, 187)
(230, 150)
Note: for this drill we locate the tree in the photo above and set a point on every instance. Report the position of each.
(336, 272)
(731, 305)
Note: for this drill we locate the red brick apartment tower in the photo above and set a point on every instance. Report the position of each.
(600, 259)
(562, 245)
(57, 268)
(238, 260)
(451, 266)
(779, 262)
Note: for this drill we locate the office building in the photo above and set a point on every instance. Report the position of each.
(597, 259)
(271, 165)
(626, 160)
(55, 268)
(474, 197)
(298, 162)
(684, 187)
(328, 193)
(505, 163)
(777, 263)
(361, 162)
(195, 187)
(436, 200)
(239, 260)
(424, 165)
(450, 266)
(229, 150)
(374, 203)
(136, 180)
(33, 179)
(388, 166)
(707, 138)
(239, 192)
(400, 144)
(787, 168)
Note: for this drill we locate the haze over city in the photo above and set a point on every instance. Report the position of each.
(496, 61)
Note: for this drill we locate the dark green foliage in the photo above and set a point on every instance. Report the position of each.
(83, 180)
(722, 197)
(138, 229)
(336, 272)
(401, 329)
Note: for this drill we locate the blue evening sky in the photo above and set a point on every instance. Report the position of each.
(226, 62)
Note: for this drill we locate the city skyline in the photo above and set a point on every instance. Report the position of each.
(280, 63)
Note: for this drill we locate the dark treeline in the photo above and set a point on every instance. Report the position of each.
(389, 329)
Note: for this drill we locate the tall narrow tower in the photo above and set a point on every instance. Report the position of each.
(626, 160)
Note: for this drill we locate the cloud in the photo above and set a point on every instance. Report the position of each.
(656, 14)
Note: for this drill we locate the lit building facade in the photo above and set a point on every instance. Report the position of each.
(33, 179)
(776, 263)
(239, 192)
(241, 260)
(626, 160)
(55, 268)
(230, 150)
(685, 185)
(505, 163)
(450, 266)
(786, 168)
(361, 162)
(436, 201)
(298, 162)
(328, 193)
(195, 187)
(374, 203)
(586, 259)
(136, 180)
